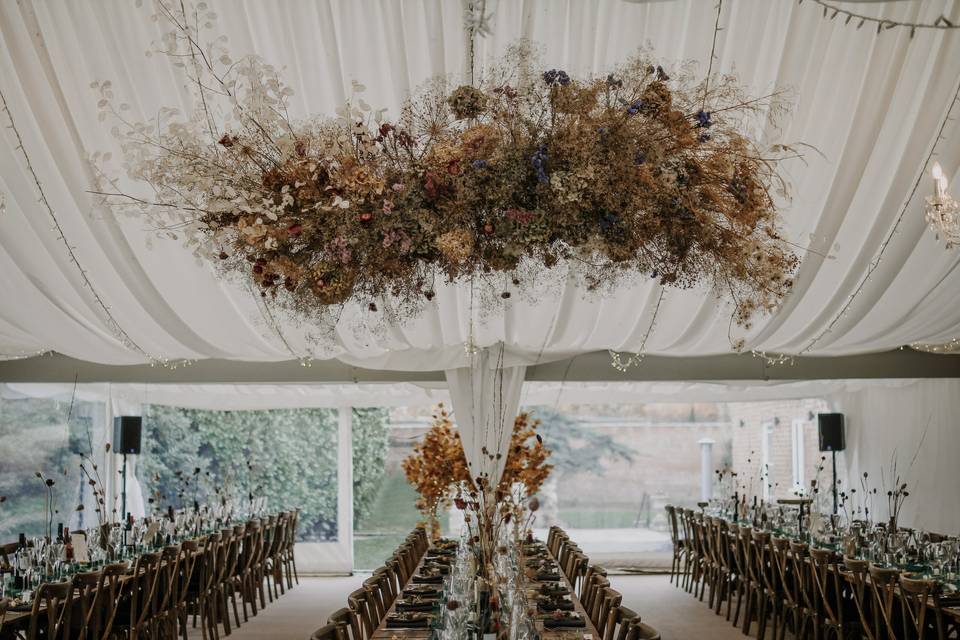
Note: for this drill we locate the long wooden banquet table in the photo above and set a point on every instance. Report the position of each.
(383, 632)
(268, 538)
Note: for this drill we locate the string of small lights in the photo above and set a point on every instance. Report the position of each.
(878, 256)
(616, 357)
(108, 317)
(951, 346)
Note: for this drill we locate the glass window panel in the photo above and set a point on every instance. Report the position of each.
(389, 512)
(46, 436)
(288, 456)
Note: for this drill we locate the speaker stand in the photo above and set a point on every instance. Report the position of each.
(834, 453)
(123, 489)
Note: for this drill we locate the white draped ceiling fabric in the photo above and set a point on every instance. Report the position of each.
(485, 398)
(872, 105)
(77, 280)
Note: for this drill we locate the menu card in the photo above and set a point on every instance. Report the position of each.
(81, 553)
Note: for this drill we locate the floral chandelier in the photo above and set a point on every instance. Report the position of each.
(625, 175)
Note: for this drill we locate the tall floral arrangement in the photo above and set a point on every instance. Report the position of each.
(437, 468)
(526, 466)
(631, 173)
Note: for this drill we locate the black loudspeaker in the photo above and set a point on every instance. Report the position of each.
(126, 434)
(831, 432)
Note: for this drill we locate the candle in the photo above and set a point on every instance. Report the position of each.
(939, 180)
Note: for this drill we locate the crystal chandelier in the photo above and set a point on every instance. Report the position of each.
(942, 211)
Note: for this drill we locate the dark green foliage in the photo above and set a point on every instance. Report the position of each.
(287, 455)
(371, 442)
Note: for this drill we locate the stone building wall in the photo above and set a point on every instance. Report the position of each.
(750, 421)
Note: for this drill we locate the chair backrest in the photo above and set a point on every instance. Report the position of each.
(619, 623)
(191, 555)
(800, 562)
(328, 632)
(53, 603)
(168, 580)
(606, 602)
(375, 599)
(357, 601)
(349, 621)
(291, 531)
(883, 584)
(143, 595)
(827, 585)
(917, 594)
(857, 571)
(113, 591)
(783, 571)
(587, 584)
(87, 587)
(674, 525)
(642, 631)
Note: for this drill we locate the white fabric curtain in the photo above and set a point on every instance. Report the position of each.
(872, 104)
(485, 398)
(914, 425)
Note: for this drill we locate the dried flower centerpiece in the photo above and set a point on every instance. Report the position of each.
(627, 174)
(436, 469)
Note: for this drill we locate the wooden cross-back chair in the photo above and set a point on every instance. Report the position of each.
(791, 608)
(857, 572)
(228, 579)
(187, 565)
(619, 622)
(738, 541)
(884, 584)
(144, 581)
(757, 557)
(642, 631)
(827, 585)
(52, 606)
(803, 584)
(203, 595)
(607, 600)
(677, 542)
(87, 590)
(289, 542)
(247, 567)
(588, 587)
(349, 621)
(357, 601)
(920, 619)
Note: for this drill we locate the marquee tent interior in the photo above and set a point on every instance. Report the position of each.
(101, 308)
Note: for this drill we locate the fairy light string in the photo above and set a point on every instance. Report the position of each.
(616, 357)
(111, 321)
(875, 263)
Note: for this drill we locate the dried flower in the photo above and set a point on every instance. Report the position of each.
(467, 102)
(622, 168)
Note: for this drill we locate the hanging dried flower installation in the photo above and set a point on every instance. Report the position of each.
(629, 174)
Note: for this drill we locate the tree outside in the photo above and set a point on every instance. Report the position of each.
(288, 456)
(46, 436)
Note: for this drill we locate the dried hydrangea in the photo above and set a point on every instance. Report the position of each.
(467, 102)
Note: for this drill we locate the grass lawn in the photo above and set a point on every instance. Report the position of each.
(382, 530)
(597, 518)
